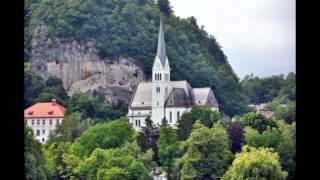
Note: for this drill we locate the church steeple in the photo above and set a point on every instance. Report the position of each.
(161, 51)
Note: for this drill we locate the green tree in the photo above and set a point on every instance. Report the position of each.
(252, 163)
(164, 6)
(103, 135)
(281, 139)
(34, 161)
(33, 85)
(53, 90)
(257, 121)
(198, 112)
(115, 163)
(148, 137)
(286, 112)
(168, 147)
(236, 135)
(92, 107)
(71, 127)
(208, 154)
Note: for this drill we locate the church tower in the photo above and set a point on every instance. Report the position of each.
(160, 79)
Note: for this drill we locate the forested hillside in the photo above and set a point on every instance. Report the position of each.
(129, 28)
(263, 90)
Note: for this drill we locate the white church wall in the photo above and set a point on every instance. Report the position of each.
(175, 111)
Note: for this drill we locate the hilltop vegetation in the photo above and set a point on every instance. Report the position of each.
(261, 90)
(130, 28)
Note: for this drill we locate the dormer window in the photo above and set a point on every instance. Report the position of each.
(30, 112)
(50, 112)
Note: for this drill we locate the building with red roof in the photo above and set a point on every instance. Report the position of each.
(43, 118)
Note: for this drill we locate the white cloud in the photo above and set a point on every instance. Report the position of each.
(256, 35)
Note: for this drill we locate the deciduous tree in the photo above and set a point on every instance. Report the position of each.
(208, 154)
(252, 163)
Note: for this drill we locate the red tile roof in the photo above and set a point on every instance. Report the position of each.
(46, 109)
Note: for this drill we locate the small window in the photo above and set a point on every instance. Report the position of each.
(142, 102)
(199, 101)
(50, 121)
(178, 115)
(42, 139)
(170, 117)
(139, 123)
(160, 77)
(38, 122)
(32, 122)
(43, 131)
(158, 103)
(158, 89)
(38, 132)
(57, 62)
(43, 122)
(58, 122)
(136, 122)
(139, 112)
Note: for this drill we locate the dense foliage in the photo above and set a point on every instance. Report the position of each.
(71, 127)
(167, 144)
(93, 107)
(35, 166)
(198, 112)
(236, 135)
(208, 153)
(130, 28)
(262, 90)
(252, 163)
(104, 135)
(257, 121)
(148, 137)
(281, 139)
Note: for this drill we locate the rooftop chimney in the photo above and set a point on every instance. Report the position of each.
(54, 102)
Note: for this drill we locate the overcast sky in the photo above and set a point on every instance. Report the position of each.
(257, 36)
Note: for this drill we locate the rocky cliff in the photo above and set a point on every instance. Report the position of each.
(81, 69)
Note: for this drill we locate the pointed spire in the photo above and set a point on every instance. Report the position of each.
(161, 51)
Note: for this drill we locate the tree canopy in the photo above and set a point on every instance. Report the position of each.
(34, 163)
(208, 153)
(198, 112)
(104, 135)
(252, 163)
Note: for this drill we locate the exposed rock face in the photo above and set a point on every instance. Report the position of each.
(81, 69)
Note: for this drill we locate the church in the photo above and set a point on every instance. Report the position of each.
(163, 98)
